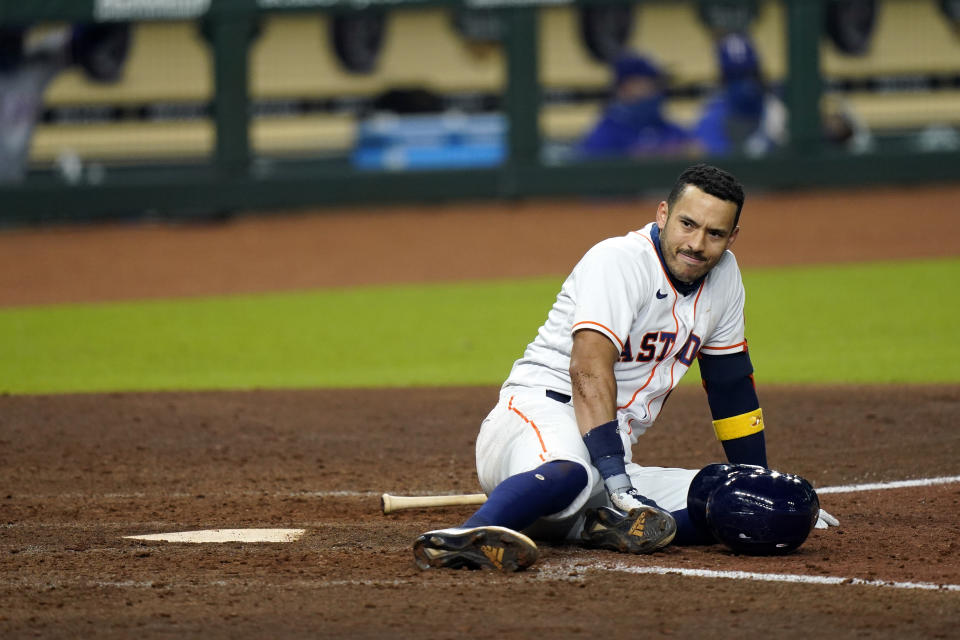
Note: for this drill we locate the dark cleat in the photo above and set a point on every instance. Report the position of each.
(475, 548)
(642, 530)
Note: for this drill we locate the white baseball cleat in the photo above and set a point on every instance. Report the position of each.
(475, 548)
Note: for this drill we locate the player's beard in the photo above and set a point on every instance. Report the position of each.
(684, 269)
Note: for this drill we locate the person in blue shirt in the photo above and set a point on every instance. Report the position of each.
(744, 116)
(633, 123)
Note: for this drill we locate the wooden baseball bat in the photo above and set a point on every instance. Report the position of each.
(390, 503)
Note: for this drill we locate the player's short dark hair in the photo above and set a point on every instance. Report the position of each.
(712, 180)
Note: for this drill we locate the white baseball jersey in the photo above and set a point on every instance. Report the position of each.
(620, 288)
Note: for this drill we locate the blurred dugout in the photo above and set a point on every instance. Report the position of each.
(306, 103)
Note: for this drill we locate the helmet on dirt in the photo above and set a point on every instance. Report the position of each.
(762, 512)
(752, 509)
(702, 485)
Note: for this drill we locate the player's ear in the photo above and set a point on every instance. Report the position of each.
(733, 236)
(662, 214)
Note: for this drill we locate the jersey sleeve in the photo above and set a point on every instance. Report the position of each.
(728, 335)
(607, 291)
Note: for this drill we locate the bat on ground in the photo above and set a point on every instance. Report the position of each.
(390, 503)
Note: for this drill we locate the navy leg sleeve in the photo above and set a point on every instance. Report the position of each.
(520, 500)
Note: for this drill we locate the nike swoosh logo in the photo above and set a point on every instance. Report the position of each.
(660, 296)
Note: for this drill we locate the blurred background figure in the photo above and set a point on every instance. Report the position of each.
(843, 128)
(633, 122)
(744, 116)
(28, 66)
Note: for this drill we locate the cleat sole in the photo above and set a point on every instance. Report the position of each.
(641, 531)
(496, 548)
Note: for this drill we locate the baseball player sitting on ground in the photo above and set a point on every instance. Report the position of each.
(554, 454)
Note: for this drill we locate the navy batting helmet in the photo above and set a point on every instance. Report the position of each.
(762, 512)
(752, 509)
(702, 485)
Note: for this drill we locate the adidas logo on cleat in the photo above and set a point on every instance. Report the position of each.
(638, 526)
(488, 547)
(639, 531)
(494, 555)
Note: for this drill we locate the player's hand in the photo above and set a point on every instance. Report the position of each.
(627, 500)
(826, 520)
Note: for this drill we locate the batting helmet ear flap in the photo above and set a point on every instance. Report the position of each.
(703, 484)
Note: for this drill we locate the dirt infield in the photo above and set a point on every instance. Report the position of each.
(451, 242)
(78, 472)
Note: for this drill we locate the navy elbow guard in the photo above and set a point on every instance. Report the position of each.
(737, 416)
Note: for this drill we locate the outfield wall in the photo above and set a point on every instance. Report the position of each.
(196, 128)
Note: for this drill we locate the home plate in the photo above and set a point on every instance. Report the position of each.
(225, 535)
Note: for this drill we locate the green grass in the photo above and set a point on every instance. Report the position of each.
(373, 336)
(882, 322)
(887, 322)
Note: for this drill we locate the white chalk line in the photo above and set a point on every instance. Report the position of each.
(849, 488)
(571, 570)
(899, 484)
(762, 577)
(200, 494)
